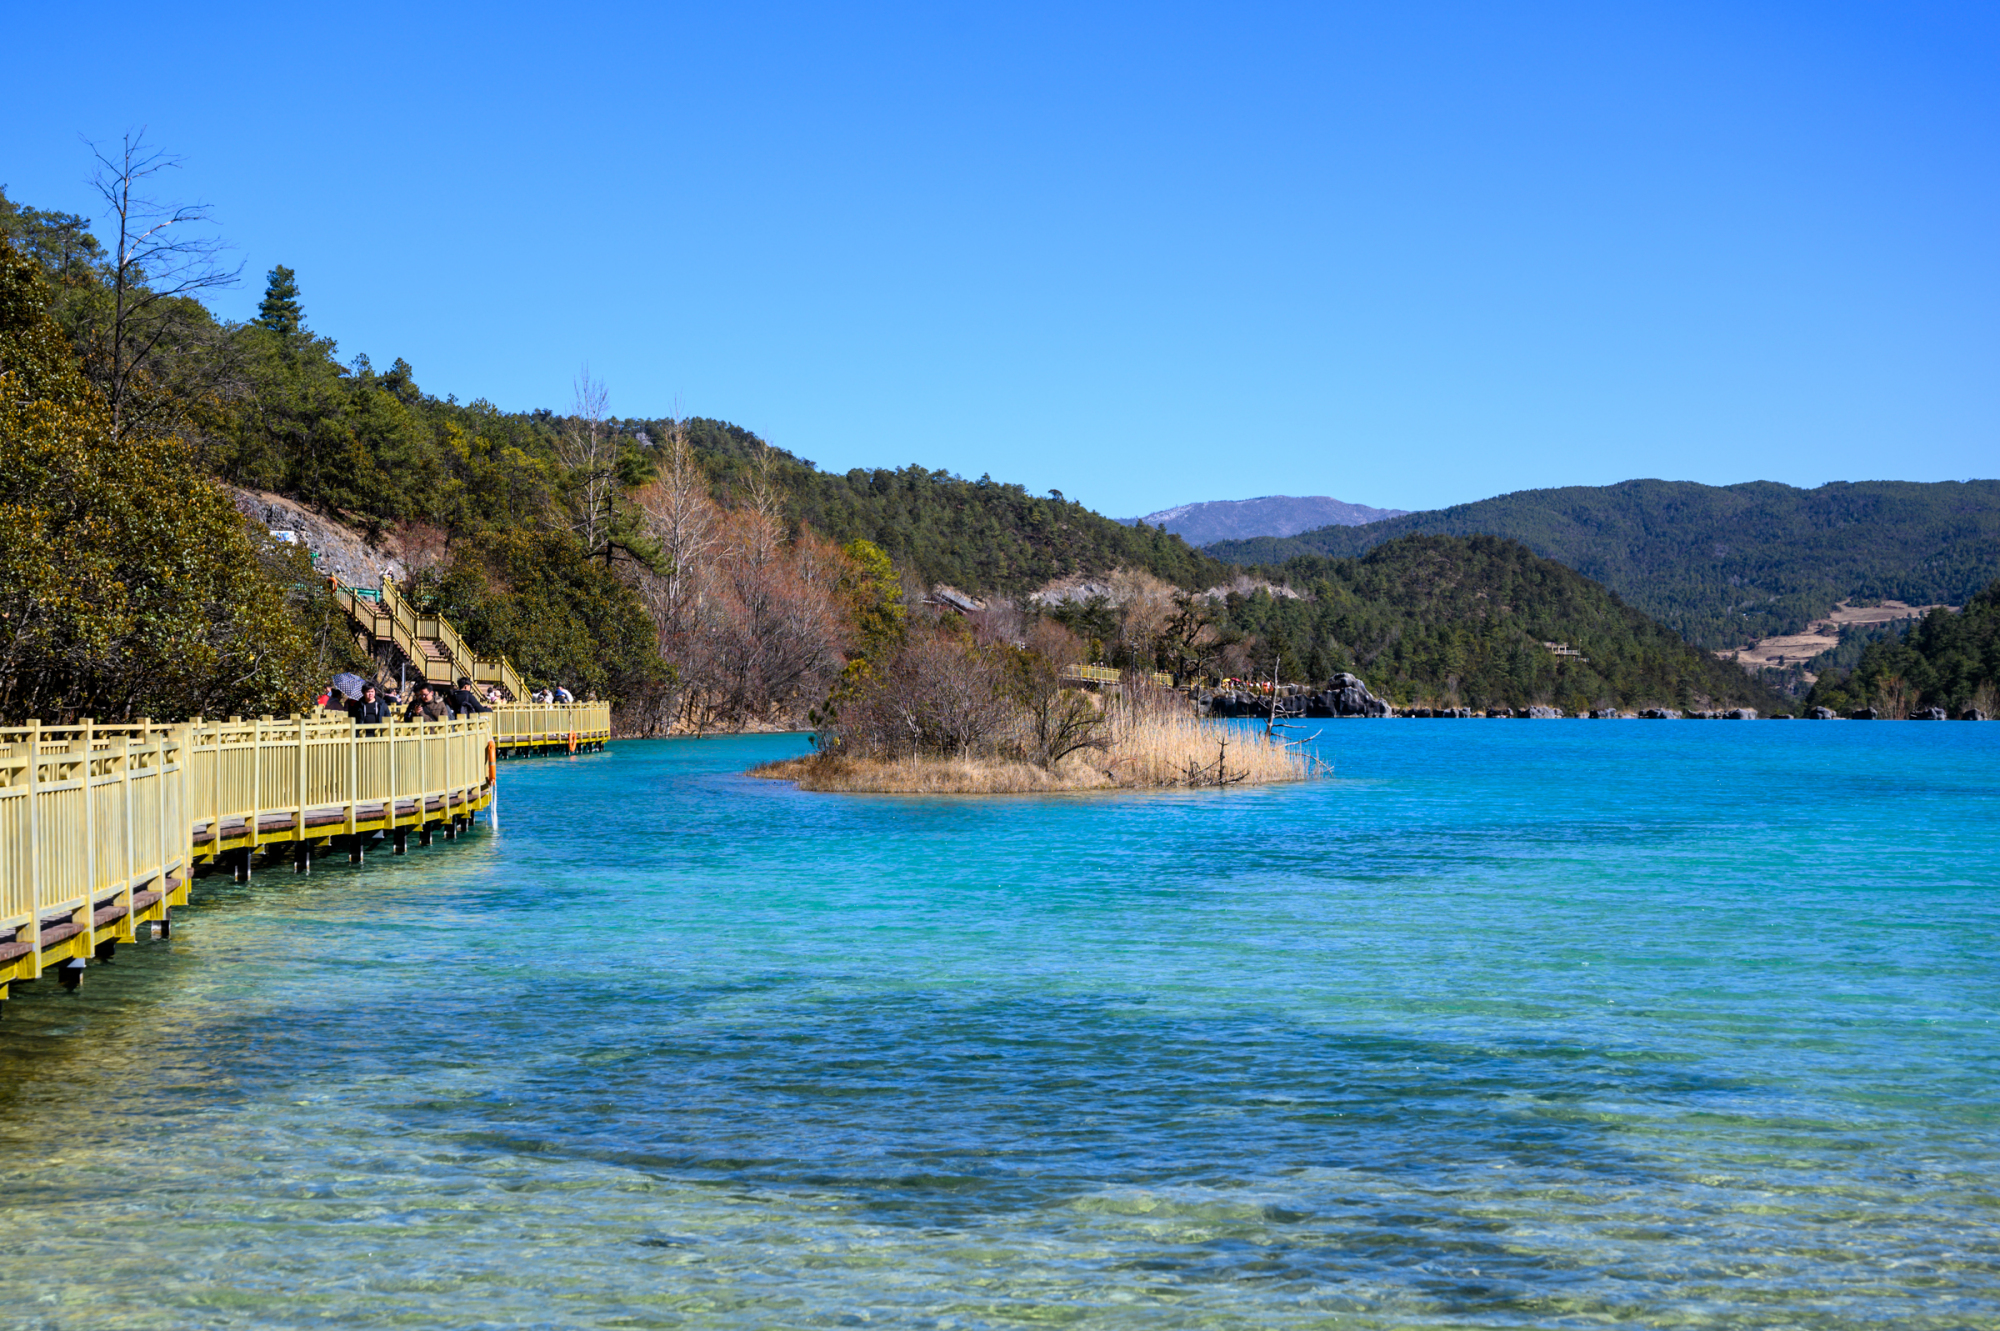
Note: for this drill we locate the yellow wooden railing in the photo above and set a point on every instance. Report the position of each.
(93, 838)
(102, 827)
(1085, 674)
(522, 727)
(311, 779)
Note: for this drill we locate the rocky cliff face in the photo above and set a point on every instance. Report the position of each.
(335, 548)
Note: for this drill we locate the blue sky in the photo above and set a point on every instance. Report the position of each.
(1406, 255)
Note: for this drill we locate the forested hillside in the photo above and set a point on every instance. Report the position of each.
(1461, 621)
(979, 536)
(1723, 565)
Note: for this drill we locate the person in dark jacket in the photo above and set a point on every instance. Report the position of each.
(426, 707)
(368, 709)
(465, 699)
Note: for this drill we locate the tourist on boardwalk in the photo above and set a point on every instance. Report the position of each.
(427, 706)
(465, 699)
(564, 695)
(369, 709)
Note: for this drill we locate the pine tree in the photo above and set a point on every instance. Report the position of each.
(280, 310)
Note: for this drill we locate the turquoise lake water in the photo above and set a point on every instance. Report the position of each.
(1509, 1024)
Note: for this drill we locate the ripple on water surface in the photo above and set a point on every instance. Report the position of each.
(1509, 1024)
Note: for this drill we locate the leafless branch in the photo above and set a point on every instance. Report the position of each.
(153, 263)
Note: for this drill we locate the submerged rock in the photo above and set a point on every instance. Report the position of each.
(1740, 714)
(1539, 713)
(1930, 714)
(1862, 714)
(1660, 714)
(1822, 714)
(1973, 714)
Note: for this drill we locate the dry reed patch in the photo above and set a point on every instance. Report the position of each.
(846, 774)
(1148, 748)
(1157, 746)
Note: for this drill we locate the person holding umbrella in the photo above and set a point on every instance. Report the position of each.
(346, 688)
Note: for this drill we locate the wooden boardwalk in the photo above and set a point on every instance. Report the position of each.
(1090, 676)
(103, 828)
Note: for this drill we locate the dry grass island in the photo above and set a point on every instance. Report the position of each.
(952, 719)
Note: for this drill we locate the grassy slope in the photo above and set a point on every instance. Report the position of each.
(1721, 564)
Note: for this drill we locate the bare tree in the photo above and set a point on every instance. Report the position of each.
(941, 696)
(1056, 721)
(777, 633)
(767, 499)
(160, 262)
(681, 519)
(589, 449)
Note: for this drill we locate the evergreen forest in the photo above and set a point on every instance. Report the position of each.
(1721, 565)
(1444, 621)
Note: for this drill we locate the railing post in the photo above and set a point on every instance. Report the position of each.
(160, 771)
(394, 790)
(131, 831)
(184, 764)
(353, 770)
(86, 930)
(215, 804)
(34, 930)
(251, 823)
(299, 814)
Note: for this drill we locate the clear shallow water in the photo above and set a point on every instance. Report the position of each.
(1554, 1024)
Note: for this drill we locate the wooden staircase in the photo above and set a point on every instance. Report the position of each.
(391, 627)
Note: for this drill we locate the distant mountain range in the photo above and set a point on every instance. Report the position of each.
(1722, 565)
(1272, 515)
